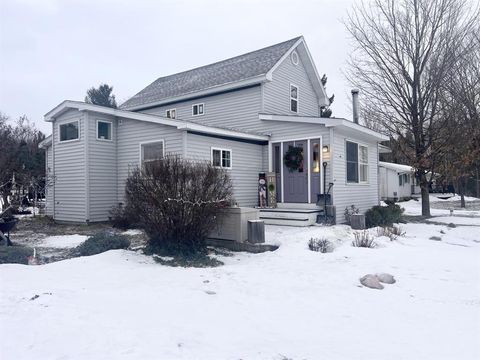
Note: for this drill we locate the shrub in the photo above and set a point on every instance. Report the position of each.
(349, 211)
(102, 242)
(122, 218)
(177, 202)
(393, 232)
(383, 215)
(322, 245)
(363, 239)
(15, 254)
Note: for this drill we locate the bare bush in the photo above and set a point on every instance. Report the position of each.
(392, 232)
(177, 201)
(363, 239)
(320, 244)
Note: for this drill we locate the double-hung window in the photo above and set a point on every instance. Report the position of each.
(69, 131)
(198, 109)
(104, 130)
(171, 113)
(293, 98)
(357, 163)
(151, 151)
(222, 158)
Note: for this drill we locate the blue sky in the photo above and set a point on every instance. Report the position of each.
(52, 50)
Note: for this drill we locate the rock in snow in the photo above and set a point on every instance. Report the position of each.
(371, 281)
(386, 278)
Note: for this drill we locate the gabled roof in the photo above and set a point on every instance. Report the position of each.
(179, 124)
(397, 167)
(240, 71)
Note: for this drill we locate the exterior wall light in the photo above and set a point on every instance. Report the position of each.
(325, 148)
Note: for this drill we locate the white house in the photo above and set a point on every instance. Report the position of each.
(397, 181)
(243, 114)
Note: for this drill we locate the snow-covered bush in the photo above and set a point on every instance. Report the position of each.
(392, 232)
(101, 242)
(320, 244)
(363, 239)
(383, 215)
(177, 201)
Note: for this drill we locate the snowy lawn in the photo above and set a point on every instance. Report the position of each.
(289, 304)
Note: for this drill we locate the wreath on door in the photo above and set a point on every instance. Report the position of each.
(293, 158)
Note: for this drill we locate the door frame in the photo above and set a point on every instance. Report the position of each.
(309, 170)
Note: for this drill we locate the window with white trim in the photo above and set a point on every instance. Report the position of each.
(198, 109)
(357, 163)
(222, 158)
(104, 130)
(69, 131)
(171, 113)
(152, 151)
(293, 98)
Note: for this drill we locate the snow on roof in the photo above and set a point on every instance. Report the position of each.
(396, 167)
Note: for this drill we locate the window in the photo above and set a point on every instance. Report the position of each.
(403, 179)
(104, 130)
(294, 58)
(171, 113)
(151, 151)
(69, 131)
(197, 109)
(222, 158)
(357, 163)
(293, 98)
(400, 180)
(316, 157)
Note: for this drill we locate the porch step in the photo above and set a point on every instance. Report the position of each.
(302, 206)
(290, 217)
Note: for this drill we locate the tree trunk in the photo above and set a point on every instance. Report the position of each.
(461, 189)
(478, 183)
(425, 194)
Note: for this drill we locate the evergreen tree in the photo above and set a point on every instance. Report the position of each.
(101, 96)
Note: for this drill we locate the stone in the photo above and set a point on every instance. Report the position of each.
(371, 281)
(436, 238)
(386, 278)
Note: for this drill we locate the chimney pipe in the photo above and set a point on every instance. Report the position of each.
(355, 105)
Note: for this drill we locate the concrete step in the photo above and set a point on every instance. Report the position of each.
(290, 217)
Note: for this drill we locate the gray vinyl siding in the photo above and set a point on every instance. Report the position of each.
(247, 162)
(48, 189)
(102, 172)
(69, 165)
(236, 110)
(130, 133)
(276, 93)
(363, 196)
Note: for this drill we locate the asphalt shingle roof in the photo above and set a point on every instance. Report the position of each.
(228, 71)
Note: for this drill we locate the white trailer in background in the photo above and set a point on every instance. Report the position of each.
(397, 181)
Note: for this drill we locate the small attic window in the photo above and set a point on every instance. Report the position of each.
(294, 57)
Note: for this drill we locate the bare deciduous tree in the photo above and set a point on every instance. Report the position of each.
(402, 56)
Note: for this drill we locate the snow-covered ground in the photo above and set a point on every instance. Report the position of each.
(289, 304)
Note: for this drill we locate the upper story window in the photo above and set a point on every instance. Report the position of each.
(171, 113)
(222, 158)
(293, 98)
(69, 131)
(104, 130)
(357, 163)
(152, 151)
(198, 109)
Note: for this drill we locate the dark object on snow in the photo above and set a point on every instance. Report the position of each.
(357, 221)
(256, 231)
(15, 254)
(5, 227)
(102, 242)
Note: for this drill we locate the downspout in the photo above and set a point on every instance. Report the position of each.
(53, 169)
(86, 127)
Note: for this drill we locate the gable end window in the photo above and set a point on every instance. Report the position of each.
(152, 151)
(69, 131)
(104, 130)
(198, 109)
(293, 98)
(357, 163)
(222, 158)
(171, 113)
